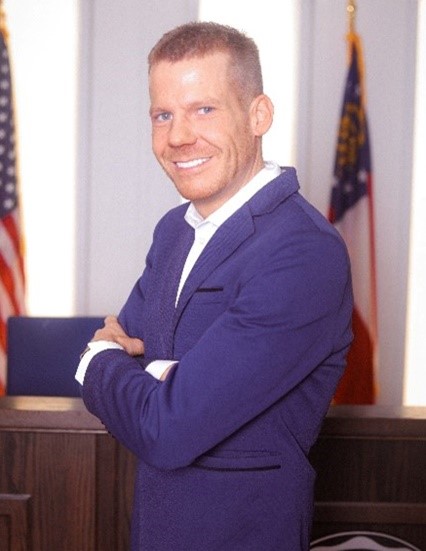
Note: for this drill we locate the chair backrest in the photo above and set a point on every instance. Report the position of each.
(43, 354)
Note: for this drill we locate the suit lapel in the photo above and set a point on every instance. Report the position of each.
(224, 242)
(237, 229)
(233, 233)
(167, 284)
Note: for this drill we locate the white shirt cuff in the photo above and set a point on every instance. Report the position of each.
(158, 367)
(93, 348)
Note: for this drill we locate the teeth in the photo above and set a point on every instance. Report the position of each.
(192, 164)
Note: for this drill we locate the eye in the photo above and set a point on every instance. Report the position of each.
(205, 110)
(162, 117)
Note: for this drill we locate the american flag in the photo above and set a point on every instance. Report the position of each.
(351, 211)
(12, 300)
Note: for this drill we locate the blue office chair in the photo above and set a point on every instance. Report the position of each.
(43, 354)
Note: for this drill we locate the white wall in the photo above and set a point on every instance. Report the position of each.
(43, 51)
(121, 191)
(415, 373)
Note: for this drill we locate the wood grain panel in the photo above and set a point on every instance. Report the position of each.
(371, 474)
(14, 522)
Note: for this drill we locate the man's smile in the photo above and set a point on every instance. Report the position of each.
(191, 164)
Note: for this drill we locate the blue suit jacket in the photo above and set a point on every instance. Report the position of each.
(260, 332)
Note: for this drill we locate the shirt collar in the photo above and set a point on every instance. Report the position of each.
(270, 171)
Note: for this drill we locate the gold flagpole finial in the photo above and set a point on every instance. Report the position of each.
(2, 19)
(351, 9)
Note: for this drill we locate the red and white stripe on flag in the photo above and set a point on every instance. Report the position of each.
(12, 301)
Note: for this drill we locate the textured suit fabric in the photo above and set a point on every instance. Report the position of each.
(260, 333)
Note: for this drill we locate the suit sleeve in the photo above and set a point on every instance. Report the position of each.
(288, 317)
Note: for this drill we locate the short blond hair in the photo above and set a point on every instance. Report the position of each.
(198, 39)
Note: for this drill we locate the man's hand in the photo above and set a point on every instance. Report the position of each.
(112, 331)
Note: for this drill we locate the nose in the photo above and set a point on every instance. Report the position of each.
(181, 132)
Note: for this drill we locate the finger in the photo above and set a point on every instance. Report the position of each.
(109, 331)
(111, 323)
(132, 345)
(103, 334)
(110, 320)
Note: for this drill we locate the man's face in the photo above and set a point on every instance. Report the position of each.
(203, 136)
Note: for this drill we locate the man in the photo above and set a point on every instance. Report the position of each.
(221, 365)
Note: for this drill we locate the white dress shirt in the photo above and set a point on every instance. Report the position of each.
(204, 228)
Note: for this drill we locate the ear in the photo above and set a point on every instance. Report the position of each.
(262, 114)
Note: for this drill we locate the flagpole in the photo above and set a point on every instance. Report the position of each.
(351, 9)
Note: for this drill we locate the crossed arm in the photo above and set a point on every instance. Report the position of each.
(113, 332)
(253, 355)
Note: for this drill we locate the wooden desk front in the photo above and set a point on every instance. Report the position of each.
(67, 485)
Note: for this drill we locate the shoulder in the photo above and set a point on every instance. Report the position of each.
(171, 221)
(281, 213)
